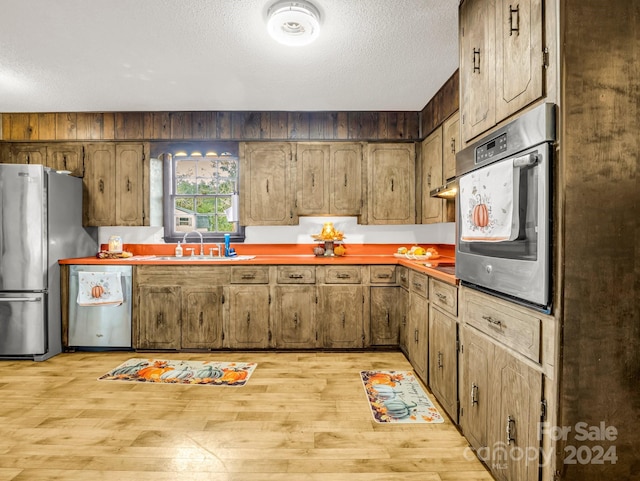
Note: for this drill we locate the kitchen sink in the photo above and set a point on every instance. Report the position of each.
(201, 259)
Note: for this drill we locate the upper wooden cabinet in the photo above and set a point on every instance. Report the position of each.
(431, 163)
(266, 184)
(450, 145)
(58, 156)
(114, 185)
(28, 154)
(501, 61)
(391, 183)
(329, 178)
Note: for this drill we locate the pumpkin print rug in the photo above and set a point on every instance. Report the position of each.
(207, 373)
(397, 397)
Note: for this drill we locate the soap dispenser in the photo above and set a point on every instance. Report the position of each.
(178, 250)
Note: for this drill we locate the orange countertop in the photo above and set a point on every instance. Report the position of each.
(282, 254)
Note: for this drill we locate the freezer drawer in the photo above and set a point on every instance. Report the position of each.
(100, 326)
(22, 323)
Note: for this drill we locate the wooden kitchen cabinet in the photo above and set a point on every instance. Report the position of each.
(501, 61)
(202, 317)
(159, 317)
(418, 323)
(340, 316)
(249, 308)
(391, 183)
(295, 317)
(179, 307)
(386, 315)
(329, 178)
(267, 193)
(114, 184)
(28, 154)
(249, 317)
(431, 163)
(443, 360)
(68, 157)
(450, 145)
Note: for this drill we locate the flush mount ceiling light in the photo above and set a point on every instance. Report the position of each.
(293, 23)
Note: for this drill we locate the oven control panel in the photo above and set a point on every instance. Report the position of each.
(491, 149)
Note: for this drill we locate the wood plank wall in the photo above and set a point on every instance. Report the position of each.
(365, 126)
(384, 126)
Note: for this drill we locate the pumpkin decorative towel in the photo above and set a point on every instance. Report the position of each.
(489, 203)
(99, 289)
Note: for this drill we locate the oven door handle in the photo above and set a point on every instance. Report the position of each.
(525, 161)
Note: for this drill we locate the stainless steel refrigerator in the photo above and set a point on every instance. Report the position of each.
(40, 223)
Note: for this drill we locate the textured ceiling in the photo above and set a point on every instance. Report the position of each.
(158, 55)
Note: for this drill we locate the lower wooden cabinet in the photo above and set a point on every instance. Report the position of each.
(501, 397)
(443, 360)
(340, 316)
(418, 334)
(295, 312)
(159, 320)
(386, 314)
(249, 326)
(202, 317)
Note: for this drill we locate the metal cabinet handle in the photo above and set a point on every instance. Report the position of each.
(159, 319)
(388, 318)
(313, 179)
(493, 321)
(417, 285)
(248, 276)
(101, 186)
(295, 276)
(295, 319)
(201, 318)
(383, 276)
(415, 335)
(344, 320)
(345, 180)
(267, 186)
(514, 26)
(476, 65)
(343, 276)
(442, 297)
(248, 318)
(510, 428)
(440, 365)
(128, 185)
(64, 162)
(474, 394)
(391, 185)
(453, 145)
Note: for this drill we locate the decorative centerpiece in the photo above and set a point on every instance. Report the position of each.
(329, 236)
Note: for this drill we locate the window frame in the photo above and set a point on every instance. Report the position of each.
(196, 152)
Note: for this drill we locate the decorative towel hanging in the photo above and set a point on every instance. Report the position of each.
(99, 289)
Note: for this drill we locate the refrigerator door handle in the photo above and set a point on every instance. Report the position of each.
(20, 299)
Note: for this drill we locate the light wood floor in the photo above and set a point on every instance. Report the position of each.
(301, 417)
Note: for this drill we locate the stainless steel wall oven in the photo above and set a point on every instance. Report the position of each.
(503, 238)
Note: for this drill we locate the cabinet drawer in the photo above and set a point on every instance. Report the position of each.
(296, 275)
(505, 324)
(443, 295)
(402, 273)
(343, 275)
(382, 275)
(250, 275)
(419, 283)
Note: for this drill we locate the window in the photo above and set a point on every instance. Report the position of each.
(200, 187)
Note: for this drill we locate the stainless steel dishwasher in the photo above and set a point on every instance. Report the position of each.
(98, 326)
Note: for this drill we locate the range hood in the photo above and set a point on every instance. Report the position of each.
(447, 191)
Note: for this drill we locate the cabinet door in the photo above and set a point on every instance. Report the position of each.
(516, 392)
(249, 317)
(477, 67)
(519, 60)
(66, 157)
(450, 145)
(403, 328)
(391, 185)
(159, 317)
(345, 174)
(386, 315)
(340, 316)
(418, 334)
(295, 323)
(312, 173)
(267, 197)
(431, 160)
(99, 185)
(202, 317)
(477, 357)
(129, 184)
(28, 154)
(443, 362)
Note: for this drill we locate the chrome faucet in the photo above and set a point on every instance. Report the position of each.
(201, 240)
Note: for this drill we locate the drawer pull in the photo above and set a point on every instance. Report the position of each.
(343, 276)
(417, 285)
(388, 319)
(296, 276)
(403, 278)
(248, 318)
(474, 394)
(440, 365)
(442, 297)
(493, 321)
(415, 335)
(248, 276)
(383, 276)
(295, 319)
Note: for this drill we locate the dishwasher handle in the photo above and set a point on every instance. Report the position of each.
(20, 299)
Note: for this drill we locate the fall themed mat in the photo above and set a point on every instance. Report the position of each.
(397, 397)
(209, 373)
